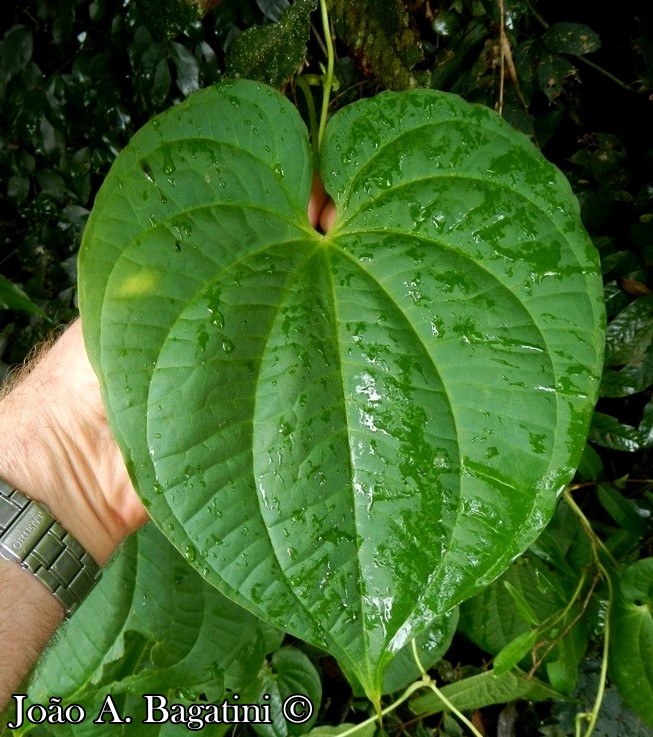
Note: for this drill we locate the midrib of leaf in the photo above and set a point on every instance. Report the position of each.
(424, 350)
(357, 524)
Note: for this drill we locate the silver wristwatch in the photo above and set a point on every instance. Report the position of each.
(31, 537)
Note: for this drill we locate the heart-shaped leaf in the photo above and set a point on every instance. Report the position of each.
(348, 434)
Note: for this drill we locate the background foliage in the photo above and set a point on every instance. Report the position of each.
(79, 77)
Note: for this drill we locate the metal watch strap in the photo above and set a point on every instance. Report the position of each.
(31, 537)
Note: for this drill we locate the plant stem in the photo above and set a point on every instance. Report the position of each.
(425, 682)
(303, 85)
(328, 80)
(453, 709)
(388, 709)
(597, 545)
(600, 693)
(502, 71)
(428, 682)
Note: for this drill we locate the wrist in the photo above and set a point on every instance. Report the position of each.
(57, 449)
(36, 460)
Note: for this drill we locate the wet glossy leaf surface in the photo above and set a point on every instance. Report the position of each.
(629, 350)
(349, 434)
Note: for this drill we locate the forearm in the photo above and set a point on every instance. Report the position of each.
(29, 612)
(56, 449)
(29, 616)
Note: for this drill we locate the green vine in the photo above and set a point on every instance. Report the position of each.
(596, 545)
(302, 82)
(424, 682)
(328, 79)
(305, 81)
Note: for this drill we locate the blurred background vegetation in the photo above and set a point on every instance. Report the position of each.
(79, 77)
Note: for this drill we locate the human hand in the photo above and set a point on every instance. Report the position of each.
(321, 210)
(56, 447)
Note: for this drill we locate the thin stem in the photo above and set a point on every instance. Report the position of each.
(594, 538)
(604, 72)
(453, 709)
(597, 545)
(600, 693)
(418, 662)
(388, 709)
(428, 681)
(303, 85)
(328, 81)
(561, 617)
(502, 71)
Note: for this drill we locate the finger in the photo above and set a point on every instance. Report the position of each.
(327, 216)
(319, 199)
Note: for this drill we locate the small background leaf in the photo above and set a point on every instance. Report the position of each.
(631, 633)
(383, 40)
(165, 18)
(272, 53)
(552, 72)
(609, 432)
(629, 350)
(12, 297)
(571, 38)
(483, 690)
(496, 624)
(289, 673)
(273, 9)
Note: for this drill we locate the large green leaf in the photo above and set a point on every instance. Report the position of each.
(348, 434)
